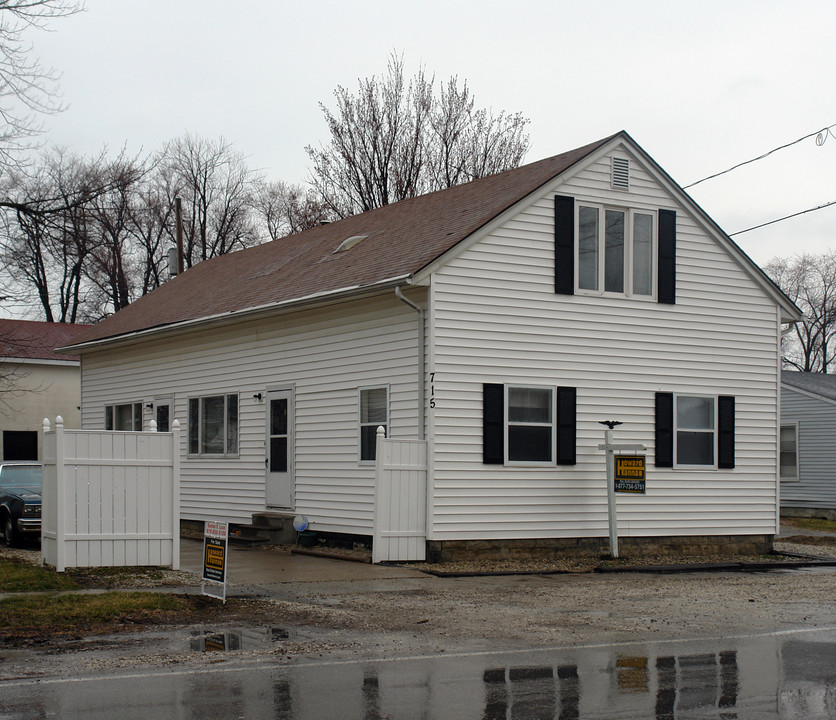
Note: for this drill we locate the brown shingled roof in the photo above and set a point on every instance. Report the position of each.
(402, 238)
(32, 340)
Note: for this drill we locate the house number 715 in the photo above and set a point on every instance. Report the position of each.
(432, 389)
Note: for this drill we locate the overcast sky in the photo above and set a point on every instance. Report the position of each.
(700, 85)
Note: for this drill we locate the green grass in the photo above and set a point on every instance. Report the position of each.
(21, 577)
(71, 611)
(810, 523)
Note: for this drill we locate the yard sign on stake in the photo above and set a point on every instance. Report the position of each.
(215, 542)
(611, 450)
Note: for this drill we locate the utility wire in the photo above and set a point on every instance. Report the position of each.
(821, 138)
(786, 217)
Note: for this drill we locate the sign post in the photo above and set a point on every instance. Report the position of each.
(215, 543)
(611, 449)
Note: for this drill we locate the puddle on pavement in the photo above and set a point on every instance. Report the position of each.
(240, 639)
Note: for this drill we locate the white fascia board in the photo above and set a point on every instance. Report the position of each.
(37, 361)
(316, 299)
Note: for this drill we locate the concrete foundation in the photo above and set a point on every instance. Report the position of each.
(458, 550)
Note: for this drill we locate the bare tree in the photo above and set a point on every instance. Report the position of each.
(396, 139)
(810, 282)
(217, 189)
(287, 209)
(47, 242)
(27, 89)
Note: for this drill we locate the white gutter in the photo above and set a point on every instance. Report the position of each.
(421, 362)
(235, 315)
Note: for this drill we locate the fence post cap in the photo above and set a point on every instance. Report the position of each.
(152, 425)
(59, 422)
(381, 431)
(46, 424)
(176, 425)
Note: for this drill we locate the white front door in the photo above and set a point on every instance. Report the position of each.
(279, 490)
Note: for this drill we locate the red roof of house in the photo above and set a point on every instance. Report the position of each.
(32, 340)
(400, 239)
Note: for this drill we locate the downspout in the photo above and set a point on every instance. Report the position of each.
(421, 362)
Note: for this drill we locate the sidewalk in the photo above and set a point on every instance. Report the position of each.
(256, 567)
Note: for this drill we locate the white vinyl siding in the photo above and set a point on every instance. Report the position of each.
(496, 319)
(815, 418)
(325, 355)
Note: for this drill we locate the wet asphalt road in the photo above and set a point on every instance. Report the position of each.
(788, 674)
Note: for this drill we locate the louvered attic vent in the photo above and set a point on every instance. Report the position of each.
(621, 173)
(349, 243)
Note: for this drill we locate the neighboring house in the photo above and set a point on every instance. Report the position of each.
(502, 320)
(35, 383)
(808, 444)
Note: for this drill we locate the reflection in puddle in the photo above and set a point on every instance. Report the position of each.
(239, 639)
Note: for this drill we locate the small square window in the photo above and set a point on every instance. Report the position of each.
(213, 425)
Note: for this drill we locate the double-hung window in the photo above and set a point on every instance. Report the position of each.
(127, 416)
(615, 250)
(530, 429)
(374, 413)
(789, 452)
(213, 425)
(695, 423)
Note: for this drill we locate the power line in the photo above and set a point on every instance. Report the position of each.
(786, 217)
(821, 138)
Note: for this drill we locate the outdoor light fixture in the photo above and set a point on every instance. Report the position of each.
(257, 396)
(150, 406)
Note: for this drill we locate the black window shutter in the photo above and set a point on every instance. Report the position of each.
(493, 424)
(666, 292)
(567, 401)
(725, 432)
(564, 245)
(664, 429)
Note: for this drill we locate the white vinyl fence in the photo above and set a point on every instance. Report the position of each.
(400, 503)
(110, 498)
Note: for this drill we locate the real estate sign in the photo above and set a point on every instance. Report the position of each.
(215, 542)
(629, 474)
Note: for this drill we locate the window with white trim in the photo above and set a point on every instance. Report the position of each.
(530, 426)
(213, 425)
(127, 416)
(789, 453)
(695, 423)
(374, 413)
(615, 250)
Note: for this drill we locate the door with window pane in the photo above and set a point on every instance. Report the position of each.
(279, 489)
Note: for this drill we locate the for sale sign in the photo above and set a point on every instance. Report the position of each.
(215, 541)
(630, 474)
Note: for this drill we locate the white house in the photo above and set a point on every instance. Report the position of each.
(808, 452)
(35, 382)
(501, 320)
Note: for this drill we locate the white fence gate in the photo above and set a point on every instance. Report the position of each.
(110, 498)
(400, 501)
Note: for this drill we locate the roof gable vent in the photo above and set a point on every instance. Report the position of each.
(349, 243)
(620, 173)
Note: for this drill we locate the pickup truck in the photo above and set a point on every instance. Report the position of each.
(20, 501)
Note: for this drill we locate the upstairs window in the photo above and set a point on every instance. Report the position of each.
(213, 425)
(615, 251)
